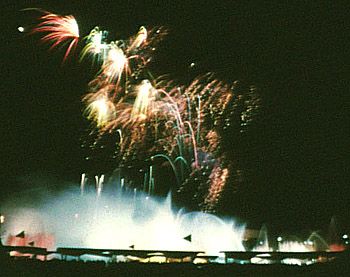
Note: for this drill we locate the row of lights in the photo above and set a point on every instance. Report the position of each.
(345, 237)
(279, 239)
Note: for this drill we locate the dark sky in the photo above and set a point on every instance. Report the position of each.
(297, 55)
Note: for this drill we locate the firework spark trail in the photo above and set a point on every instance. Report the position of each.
(171, 164)
(172, 111)
(59, 29)
(120, 58)
(140, 38)
(173, 104)
(144, 43)
(175, 108)
(115, 64)
(218, 178)
(194, 144)
(120, 136)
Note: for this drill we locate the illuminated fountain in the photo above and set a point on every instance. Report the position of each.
(262, 241)
(134, 220)
(95, 220)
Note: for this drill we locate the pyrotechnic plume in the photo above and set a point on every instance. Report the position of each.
(58, 30)
(146, 95)
(101, 110)
(96, 45)
(121, 59)
(139, 39)
(115, 63)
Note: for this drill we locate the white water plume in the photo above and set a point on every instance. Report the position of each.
(119, 221)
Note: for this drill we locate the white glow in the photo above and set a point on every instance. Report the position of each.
(292, 261)
(73, 26)
(258, 260)
(117, 58)
(20, 29)
(295, 246)
(146, 94)
(116, 222)
(115, 63)
(96, 41)
(100, 110)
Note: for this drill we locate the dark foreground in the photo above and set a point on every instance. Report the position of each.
(28, 267)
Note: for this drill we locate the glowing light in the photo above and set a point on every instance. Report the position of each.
(345, 236)
(294, 246)
(20, 29)
(279, 239)
(258, 260)
(2, 219)
(293, 261)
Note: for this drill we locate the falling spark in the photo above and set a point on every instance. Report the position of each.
(218, 179)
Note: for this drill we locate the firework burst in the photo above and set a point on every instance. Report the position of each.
(156, 120)
(140, 39)
(96, 45)
(58, 30)
(100, 109)
(146, 95)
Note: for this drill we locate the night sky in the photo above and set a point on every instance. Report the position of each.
(296, 156)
